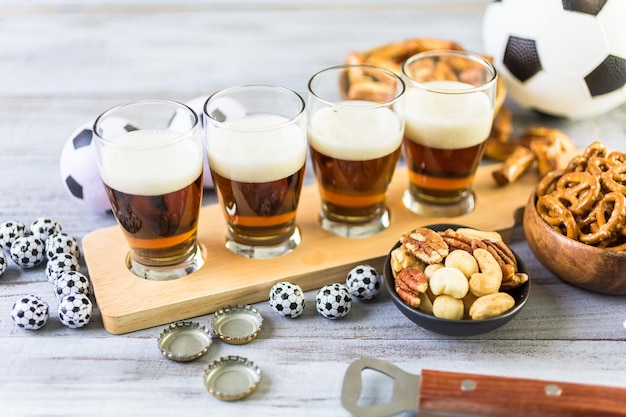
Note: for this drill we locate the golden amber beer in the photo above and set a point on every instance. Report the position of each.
(153, 178)
(447, 125)
(257, 161)
(354, 145)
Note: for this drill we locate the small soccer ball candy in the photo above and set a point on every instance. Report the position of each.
(287, 299)
(59, 264)
(9, 231)
(3, 263)
(44, 227)
(75, 310)
(28, 251)
(71, 282)
(333, 301)
(62, 243)
(30, 312)
(363, 282)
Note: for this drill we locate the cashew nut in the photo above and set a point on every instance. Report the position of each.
(447, 307)
(449, 281)
(491, 305)
(463, 261)
(489, 279)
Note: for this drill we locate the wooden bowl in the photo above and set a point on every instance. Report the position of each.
(588, 267)
(456, 328)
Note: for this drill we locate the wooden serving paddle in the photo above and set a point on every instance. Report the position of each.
(438, 393)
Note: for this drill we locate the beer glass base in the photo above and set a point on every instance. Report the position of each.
(265, 251)
(356, 230)
(168, 272)
(439, 208)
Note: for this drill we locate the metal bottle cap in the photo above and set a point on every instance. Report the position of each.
(184, 341)
(237, 325)
(232, 378)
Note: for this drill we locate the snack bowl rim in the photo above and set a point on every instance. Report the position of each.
(450, 327)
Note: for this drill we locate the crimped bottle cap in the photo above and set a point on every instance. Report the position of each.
(232, 378)
(184, 341)
(237, 325)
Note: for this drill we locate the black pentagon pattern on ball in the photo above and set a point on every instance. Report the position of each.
(82, 139)
(30, 312)
(609, 76)
(9, 231)
(521, 58)
(75, 188)
(592, 7)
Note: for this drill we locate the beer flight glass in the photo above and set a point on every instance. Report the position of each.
(256, 146)
(152, 172)
(449, 112)
(355, 141)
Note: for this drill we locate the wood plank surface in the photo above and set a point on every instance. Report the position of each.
(62, 62)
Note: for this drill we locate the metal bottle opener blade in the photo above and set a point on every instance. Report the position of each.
(439, 393)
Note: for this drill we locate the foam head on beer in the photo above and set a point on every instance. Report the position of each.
(355, 131)
(447, 121)
(146, 162)
(257, 148)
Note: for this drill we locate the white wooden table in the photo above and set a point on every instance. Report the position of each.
(64, 61)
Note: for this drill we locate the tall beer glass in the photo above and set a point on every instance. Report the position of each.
(449, 113)
(356, 123)
(256, 145)
(152, 172)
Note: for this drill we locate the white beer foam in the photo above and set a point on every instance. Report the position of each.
(356, 132)
(144, 164)
(447, 121)
(246, 150)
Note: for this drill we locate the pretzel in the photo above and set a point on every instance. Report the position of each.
(586, 200)
(557, 216)
(608, 216)
(546, 149)
(578, 190)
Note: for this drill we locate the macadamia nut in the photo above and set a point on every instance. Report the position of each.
(463, 261)
(449, 281)
(446, 307)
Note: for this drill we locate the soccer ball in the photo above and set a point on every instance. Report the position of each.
(71, 282)
(333, 301)
(363, 282)
(59, 264)
(79, 166)
(287, 299)
(30, 312)
(28, 251)
(562, 58)
(75, 310)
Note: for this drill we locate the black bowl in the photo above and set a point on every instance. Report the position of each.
(456, 327)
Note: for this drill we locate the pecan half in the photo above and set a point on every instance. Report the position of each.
(425, 244)
(410, 283)
(456, 240)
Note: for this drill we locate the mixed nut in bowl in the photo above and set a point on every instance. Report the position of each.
(575, 221)
(456, 280)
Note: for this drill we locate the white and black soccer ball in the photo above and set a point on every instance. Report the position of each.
(62, 243)
(60, 263)
(563, 58)
(9, 231)
(30, 312)
(333, 301)
(43, 227)
(71, 282)
(363, 281)
(79, 166)
(75, 310)
(287, 299)
(3, 263)
(28, 251)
